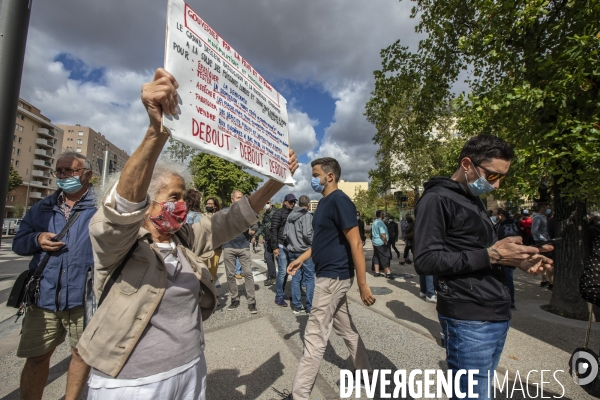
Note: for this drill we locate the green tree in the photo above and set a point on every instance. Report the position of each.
(177, 151)
(214, 176)
(14, 179)
(534, 77)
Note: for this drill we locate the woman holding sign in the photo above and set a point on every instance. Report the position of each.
(146, 339)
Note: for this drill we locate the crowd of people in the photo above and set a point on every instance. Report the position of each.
(154, 247)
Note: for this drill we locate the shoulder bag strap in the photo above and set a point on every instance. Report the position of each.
(116, 273)
(42, 264)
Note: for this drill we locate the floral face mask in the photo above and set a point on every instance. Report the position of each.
(171, 217)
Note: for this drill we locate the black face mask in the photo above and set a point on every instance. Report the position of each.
(210, 210)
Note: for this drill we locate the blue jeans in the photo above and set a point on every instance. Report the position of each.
(238, 267)
(304, 276)
(426, 282)
(283, 259)
(508, 275)
(474, 345)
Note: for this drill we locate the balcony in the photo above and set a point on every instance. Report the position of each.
(45, 132)
(42, 153)
(42, 163)
(44, 142)
(35, 195)
(40, 174)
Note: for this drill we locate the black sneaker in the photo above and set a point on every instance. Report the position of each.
(251, 308)
(270, 282)
(377, 274)
(408, 262)
(389, 276)
(234, 304)
(544, 284)
(550, 286)
(297, 310)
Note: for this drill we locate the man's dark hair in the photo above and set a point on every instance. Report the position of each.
(409, 219)
(542, 205)
(483, 148)
(303, 201)
(193, 198)
(378, 213)
(328, 165)
(504, 213)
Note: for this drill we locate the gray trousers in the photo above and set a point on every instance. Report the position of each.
(229, 256)
(329, 310)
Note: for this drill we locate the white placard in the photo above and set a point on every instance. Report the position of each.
(226, 107)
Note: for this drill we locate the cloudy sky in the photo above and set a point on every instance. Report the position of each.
(86, 61)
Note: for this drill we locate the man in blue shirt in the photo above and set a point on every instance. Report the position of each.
(337, 252)
(59, 308)
(381, 250)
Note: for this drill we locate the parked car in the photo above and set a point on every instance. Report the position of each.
(13, 225)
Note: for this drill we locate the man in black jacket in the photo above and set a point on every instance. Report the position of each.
(455, 241)
(279, 247)
(393, 231)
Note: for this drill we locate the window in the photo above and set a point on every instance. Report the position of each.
(12, 199)
(79, 149)
(17, 163)
(79, 141)
(20, 139)
(30, 149)
(27, 172)
(18, 152)
(21, 128)
(32, 127)
(80, 133)
(17, 127)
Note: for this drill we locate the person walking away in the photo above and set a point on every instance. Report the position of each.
(336, 252)
(58, 311)
(393, 231)
(264, 230)
(193, 199)
(146, 340)
(298, 233)
(381, 250)
(408, 236)
(361, 228)
(508, 227)
(239, 248)
(456, 242)
(279, 247)
(539, 233)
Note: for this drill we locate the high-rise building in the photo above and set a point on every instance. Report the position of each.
(37, 144)
(92, 144)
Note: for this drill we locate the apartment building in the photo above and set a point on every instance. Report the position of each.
(37, 144)
(92, 144)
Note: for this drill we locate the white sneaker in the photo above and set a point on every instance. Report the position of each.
(431, 299)
(422, 295)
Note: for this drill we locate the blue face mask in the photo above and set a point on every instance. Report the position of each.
(316, 185)
(70, 185)
(494, 219)
(480, 186)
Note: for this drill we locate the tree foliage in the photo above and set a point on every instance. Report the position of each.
(534, 79)
(214, 176)
(14, 179)
(179, 152)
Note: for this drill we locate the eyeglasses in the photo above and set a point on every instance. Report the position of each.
(68, 172)
(490, 176)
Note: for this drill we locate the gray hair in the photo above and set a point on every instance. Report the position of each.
(163, 170)
(236, 191)
(73, 154)
(303, 201)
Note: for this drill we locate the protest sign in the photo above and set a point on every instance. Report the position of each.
(226, 107)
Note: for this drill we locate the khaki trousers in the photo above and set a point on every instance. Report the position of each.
(329, 309)
(229, 256)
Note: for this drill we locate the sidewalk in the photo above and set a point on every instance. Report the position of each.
(248, 355)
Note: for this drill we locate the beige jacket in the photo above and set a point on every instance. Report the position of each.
(115, 329)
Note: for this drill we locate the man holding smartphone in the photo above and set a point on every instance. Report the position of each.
(455, 240)
(539, 232)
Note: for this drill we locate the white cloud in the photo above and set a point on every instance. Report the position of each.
(303, 137)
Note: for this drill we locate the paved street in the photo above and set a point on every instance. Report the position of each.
(248, 355)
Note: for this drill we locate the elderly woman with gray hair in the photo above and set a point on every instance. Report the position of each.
(146, 339)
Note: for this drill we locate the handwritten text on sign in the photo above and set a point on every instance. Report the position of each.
(227, 108)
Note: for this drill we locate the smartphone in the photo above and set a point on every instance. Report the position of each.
(553, 242)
